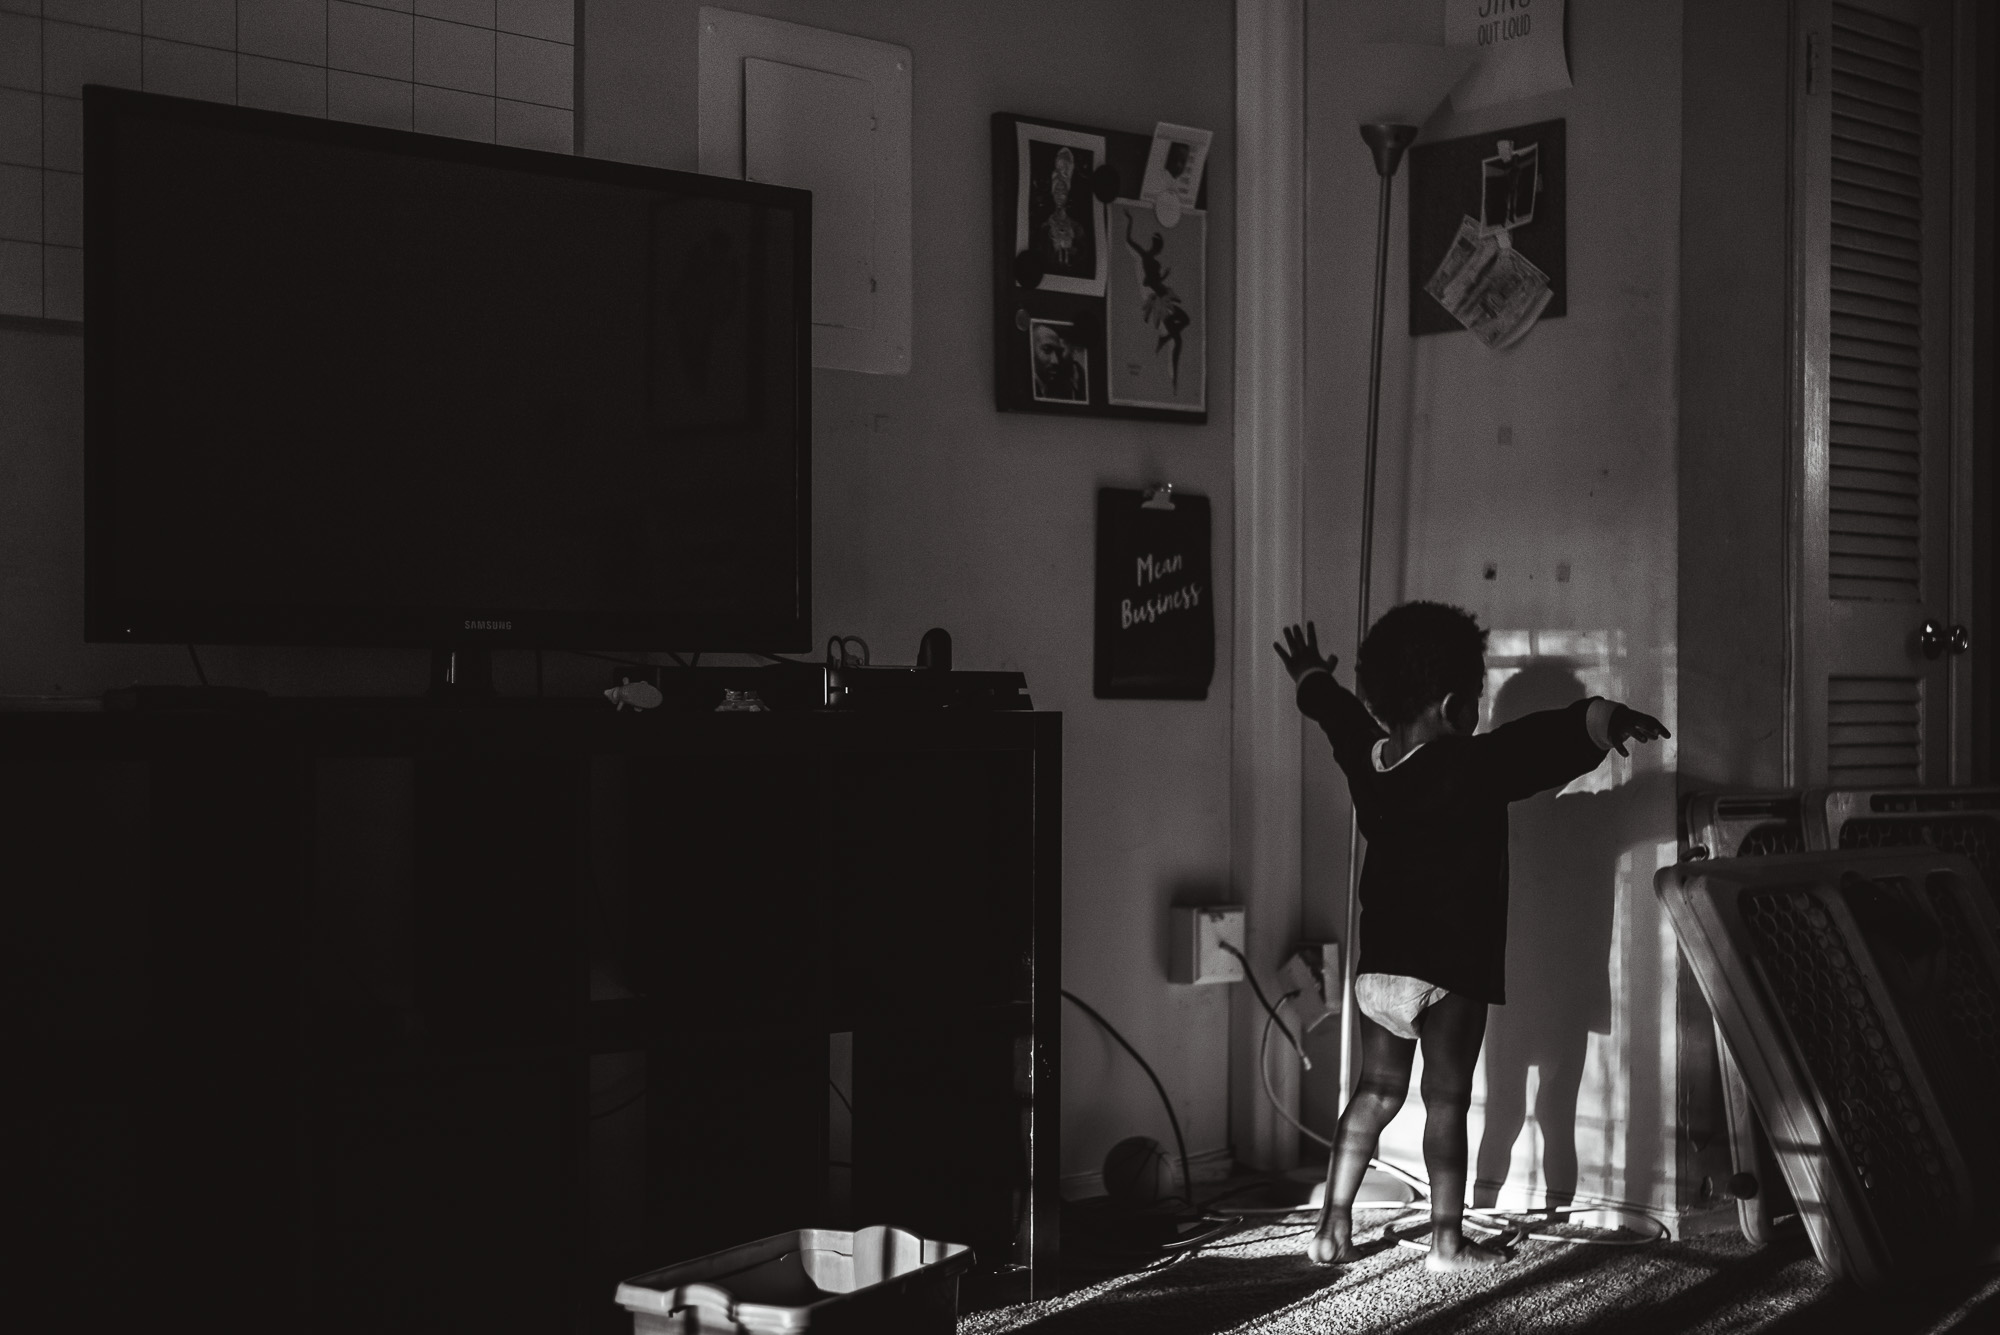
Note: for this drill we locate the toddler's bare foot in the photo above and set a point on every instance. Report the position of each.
(1332, 1244)
(1449, 1258)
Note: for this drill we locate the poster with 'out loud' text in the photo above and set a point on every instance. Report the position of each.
(1520, 44)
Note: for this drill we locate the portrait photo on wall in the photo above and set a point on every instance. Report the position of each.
(1057, 216)
(1155, 314)
(1058, 362)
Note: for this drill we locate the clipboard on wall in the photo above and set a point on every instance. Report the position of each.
(1155, 621)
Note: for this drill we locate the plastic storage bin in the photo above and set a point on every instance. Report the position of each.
(877, 1279)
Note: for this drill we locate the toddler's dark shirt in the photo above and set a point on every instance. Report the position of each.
(1434, 885)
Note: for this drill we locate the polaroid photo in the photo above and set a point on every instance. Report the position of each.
(1056, 214)
(1058, 362)
(1174, 167)
(1155, 310)
(1508, 184)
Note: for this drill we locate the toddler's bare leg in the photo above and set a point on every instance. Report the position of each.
(1385, 1079)
(1452, 1031)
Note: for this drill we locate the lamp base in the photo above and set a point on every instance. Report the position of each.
(1387, 143)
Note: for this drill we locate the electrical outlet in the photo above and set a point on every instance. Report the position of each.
(1314, 973)
(1199, 934)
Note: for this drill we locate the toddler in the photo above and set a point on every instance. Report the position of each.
(1431, 798)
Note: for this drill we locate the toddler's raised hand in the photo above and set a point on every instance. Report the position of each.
(1300, 652)
(1629, 725)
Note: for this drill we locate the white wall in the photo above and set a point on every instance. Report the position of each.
(1554, 462)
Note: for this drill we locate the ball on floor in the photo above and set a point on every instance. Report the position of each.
(1137, 1172)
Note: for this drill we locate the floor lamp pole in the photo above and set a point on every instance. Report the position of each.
(1387, 143)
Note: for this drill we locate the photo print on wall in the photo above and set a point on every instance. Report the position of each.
(1155, 317)
(1058, 362)
(1175, 162)
(1488, 286)
(1057, 218)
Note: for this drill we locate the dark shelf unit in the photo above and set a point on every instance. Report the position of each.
(309, 997)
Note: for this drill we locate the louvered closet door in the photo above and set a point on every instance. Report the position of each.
(1875, 331)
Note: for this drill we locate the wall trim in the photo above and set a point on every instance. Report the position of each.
(38, 324)
(1266, 819)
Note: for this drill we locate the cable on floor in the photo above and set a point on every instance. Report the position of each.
(1180, 1144)
(1250, 976)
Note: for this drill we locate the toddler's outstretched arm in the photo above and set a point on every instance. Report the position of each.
(1547, 749)
(1300, 652)
(1340, 715)
(1629, 725)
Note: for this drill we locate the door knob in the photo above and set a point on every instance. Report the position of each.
(1938, 639)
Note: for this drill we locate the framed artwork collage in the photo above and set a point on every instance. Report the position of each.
(1100, 242)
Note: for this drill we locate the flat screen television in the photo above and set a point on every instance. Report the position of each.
(357, 386)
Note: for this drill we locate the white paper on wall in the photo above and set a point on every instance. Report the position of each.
(830, 113)
(1175, 162)
(814, 130)
(1520, 46)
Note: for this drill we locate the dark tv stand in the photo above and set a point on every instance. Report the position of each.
(318, 1001)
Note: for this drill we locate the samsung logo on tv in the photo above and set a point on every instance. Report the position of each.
(489, 625)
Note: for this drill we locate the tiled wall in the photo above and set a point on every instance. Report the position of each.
(495, 70)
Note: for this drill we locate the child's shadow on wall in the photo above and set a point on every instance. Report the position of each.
(1563, 882)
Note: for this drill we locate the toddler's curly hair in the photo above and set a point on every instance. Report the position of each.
(1415, 655)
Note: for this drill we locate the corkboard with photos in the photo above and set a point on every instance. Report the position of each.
(1099, 295)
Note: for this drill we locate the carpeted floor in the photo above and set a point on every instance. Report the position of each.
(1260, 1281)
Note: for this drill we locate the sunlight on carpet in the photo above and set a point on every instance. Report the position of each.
(1260, 1281)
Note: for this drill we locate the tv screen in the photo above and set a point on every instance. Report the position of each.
(356, 386)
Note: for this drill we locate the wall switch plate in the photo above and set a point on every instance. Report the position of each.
(1198, 936)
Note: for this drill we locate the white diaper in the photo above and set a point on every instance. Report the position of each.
(1395, 1001)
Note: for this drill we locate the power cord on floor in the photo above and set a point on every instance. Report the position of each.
(1216, 1228)
(1250, 976)
(1264, 1070)
(1180, 1145)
